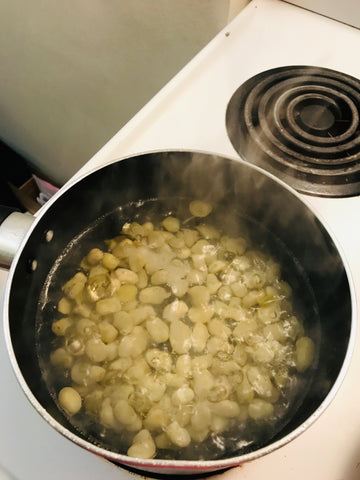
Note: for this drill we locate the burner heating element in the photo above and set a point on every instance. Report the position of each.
(302, 124)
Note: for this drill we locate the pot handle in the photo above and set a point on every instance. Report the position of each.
(13, 227)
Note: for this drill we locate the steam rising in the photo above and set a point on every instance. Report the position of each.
(96, 208)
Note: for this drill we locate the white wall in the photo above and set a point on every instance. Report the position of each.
(74, 71)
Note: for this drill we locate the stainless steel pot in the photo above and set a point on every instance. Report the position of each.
(92, 208)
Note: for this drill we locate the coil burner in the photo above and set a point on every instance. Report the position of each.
(302, 124)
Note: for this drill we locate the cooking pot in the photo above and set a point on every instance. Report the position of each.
(94, 207)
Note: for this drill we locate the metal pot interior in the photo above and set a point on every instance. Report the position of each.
(95, 208)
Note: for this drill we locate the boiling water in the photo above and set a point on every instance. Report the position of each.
(241, 437)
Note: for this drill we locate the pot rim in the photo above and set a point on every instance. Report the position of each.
(190, 466)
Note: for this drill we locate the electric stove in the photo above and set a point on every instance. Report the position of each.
(306, 68)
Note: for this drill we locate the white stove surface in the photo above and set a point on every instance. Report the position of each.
(189, 113)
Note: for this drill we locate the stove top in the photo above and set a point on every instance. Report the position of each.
(302, 124)
(189, 113)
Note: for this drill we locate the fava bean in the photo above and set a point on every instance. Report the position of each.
(59, 327)
(180, 336)
(259, 409)
(70, 400)
(143, 446)
(178, 435)
(158, 330)
(199, 337)
(153, 295)
(127, 416)
(198, 208)
(175, 334)
(304, 353)
(171, 224)
(64, 306)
